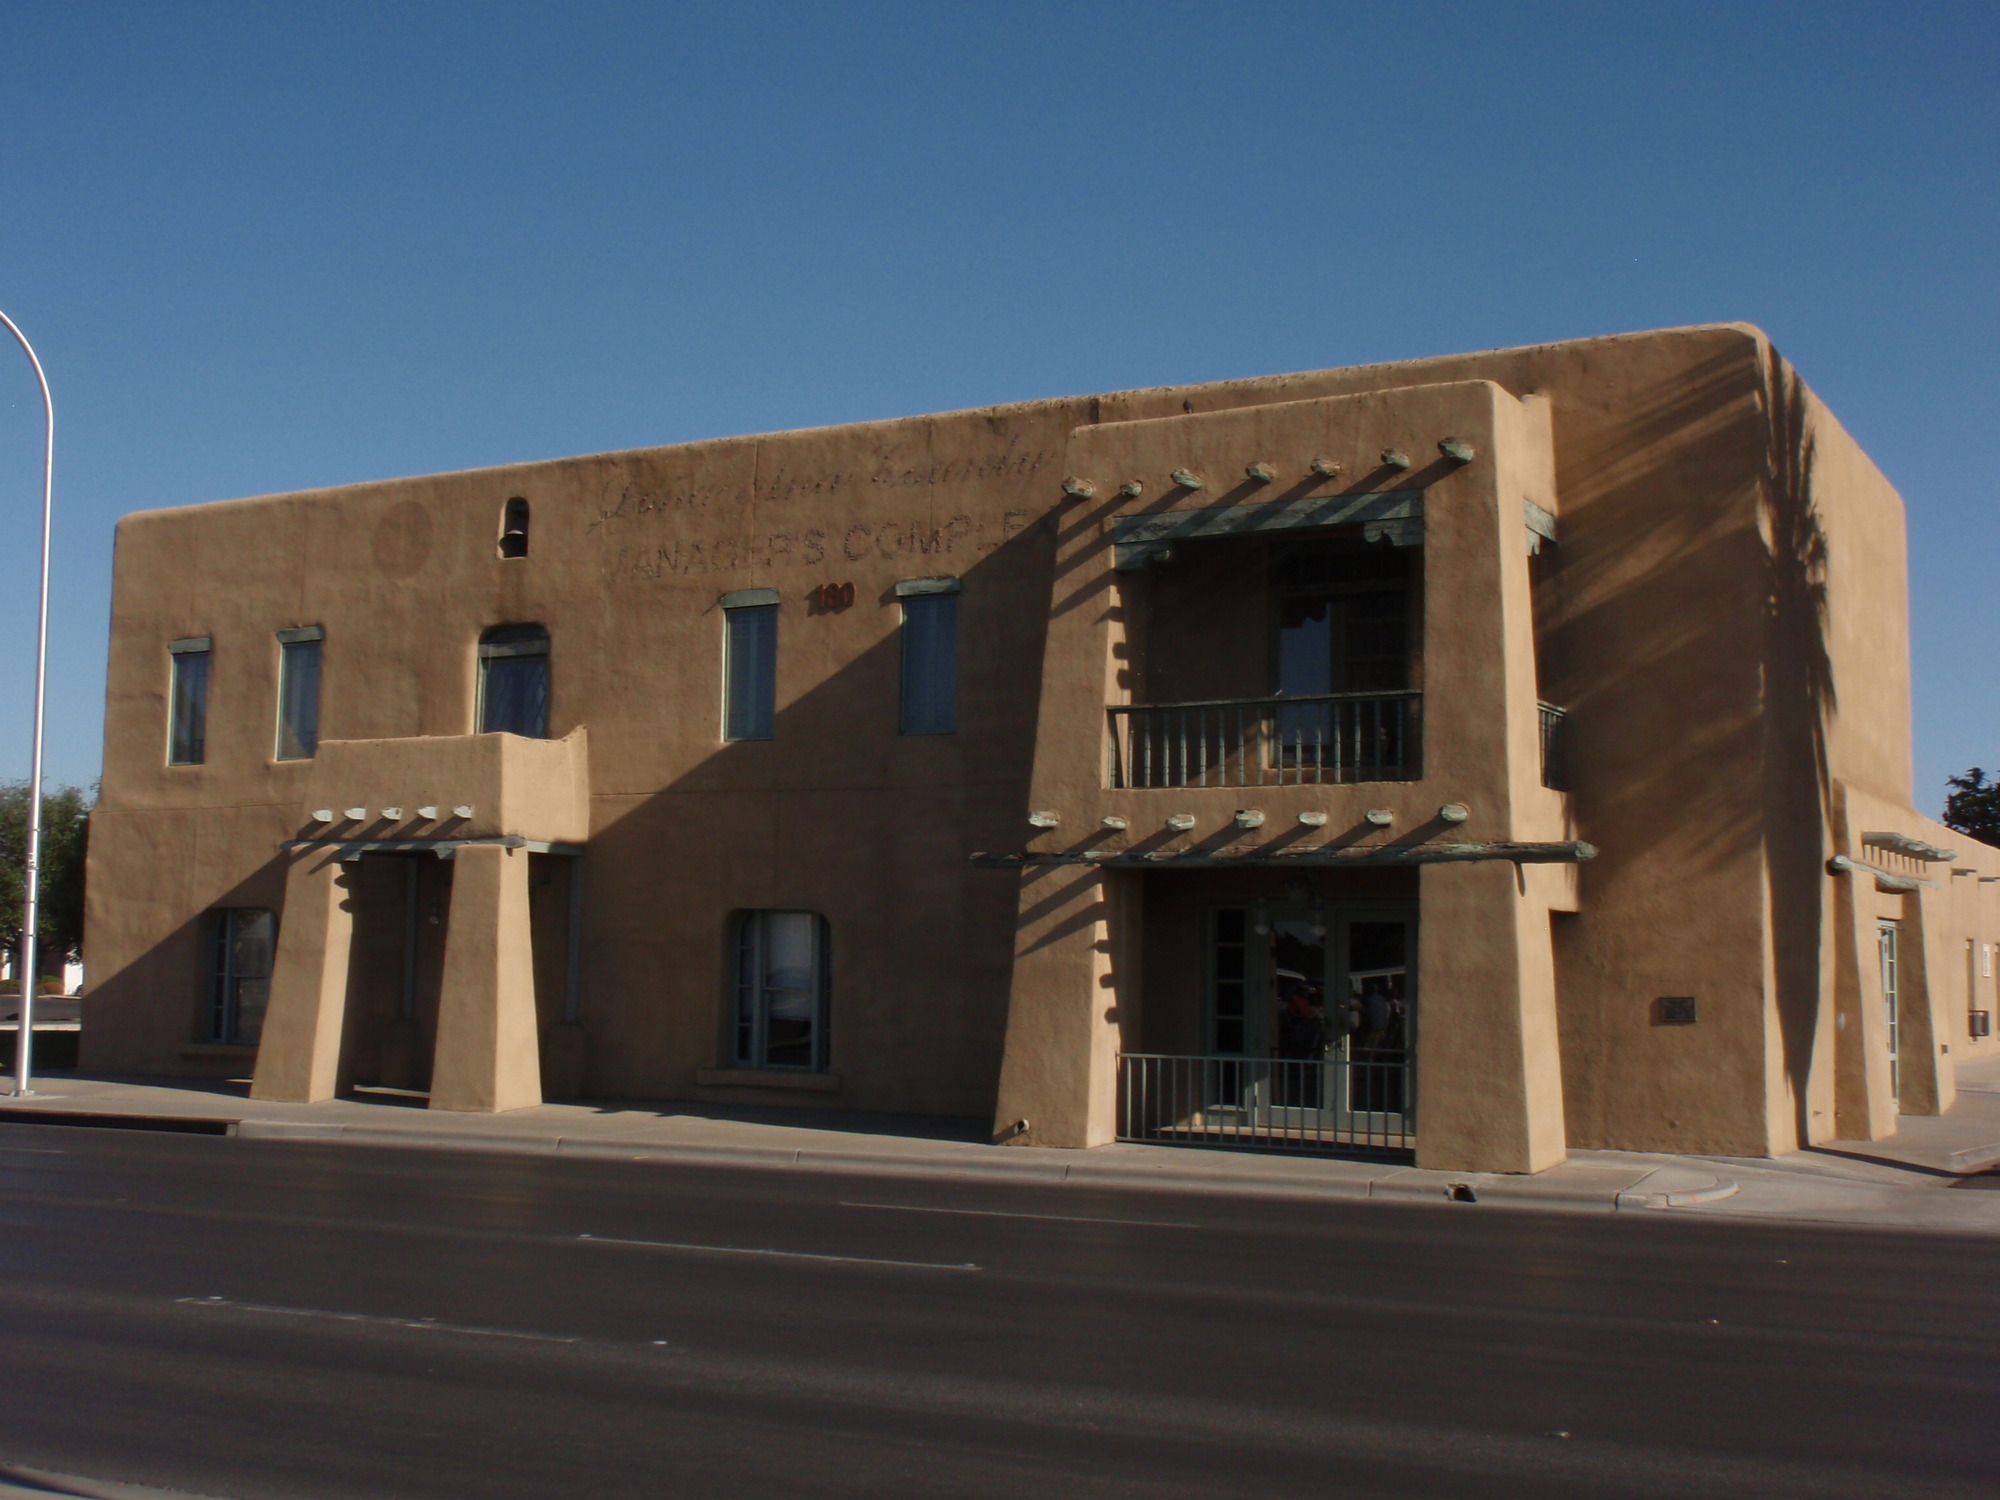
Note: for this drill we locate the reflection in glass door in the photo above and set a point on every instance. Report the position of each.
(1318, 1003)
(1885, 934)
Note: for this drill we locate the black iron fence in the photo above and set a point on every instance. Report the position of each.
(1364, 1102)
(1303, 741)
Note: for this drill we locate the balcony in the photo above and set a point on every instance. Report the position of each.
(1317, 740)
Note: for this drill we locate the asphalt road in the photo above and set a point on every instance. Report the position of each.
(253, 1319)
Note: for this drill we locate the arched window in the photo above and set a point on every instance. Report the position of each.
(514, 681)
(514, 528)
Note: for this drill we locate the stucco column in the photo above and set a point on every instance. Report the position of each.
(1923, 1007)
(487, 1034)
(298, 1054)
(1865, 1107)
(1060, 1068)
(1489, 1072)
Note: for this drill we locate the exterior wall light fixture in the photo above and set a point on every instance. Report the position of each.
(1263, 921)
(1325, 467)
(1454, 812)
(1381, 817)
(1395, 458)
(1260, 471)
(1078, 489)
(1457, 450)
(1180, 822)
(1044, 819)
(1186, 479)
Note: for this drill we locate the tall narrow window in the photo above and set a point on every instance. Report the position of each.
(514, 681)
(514, 528)
(750, 664)
(298, 693)
(781, 990)
(930, 655)
(187, 702)
(242, 941)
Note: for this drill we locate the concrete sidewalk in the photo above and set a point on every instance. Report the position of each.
(1908, 1181)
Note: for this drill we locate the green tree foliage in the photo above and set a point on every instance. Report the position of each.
(1974, 806)
(65, 838)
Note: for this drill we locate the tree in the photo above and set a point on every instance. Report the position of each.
(65, 839)
(1973, 808)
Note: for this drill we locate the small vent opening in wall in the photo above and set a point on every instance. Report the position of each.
(514, 528)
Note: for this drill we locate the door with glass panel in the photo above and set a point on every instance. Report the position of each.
(1318, 1002)
(1885, 937)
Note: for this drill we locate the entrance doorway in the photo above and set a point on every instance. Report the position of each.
(1309, 1031)
(395, 975)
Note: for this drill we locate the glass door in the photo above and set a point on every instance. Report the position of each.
(1311, 1020)
(1885, 935)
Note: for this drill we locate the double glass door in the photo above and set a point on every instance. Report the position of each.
(1320, 1003)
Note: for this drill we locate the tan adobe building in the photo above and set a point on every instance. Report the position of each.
(1481, 755)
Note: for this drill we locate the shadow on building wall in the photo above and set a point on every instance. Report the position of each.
(1800, 702)
(1690, 646)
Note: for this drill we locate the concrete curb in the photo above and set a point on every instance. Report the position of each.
(1974, 1158)
(1521, 1192)
(1664, 1187)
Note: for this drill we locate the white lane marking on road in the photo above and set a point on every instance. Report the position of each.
(428, 1325)
(1001, 1213)
(849, 1260)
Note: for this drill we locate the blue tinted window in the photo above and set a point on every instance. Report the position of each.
(514, 681)
(298, 700)
(750, 673)
(187, 739)
(930, 664)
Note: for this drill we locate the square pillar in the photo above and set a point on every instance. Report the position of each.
(1865, 1107)
(1059, 1071)
(1924, 1007)
(298, 1054)
(487, 1035)
(1489, 1071)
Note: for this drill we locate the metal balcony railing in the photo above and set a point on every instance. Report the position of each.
(1555, 760)
(1365, 1102)
(1303, 741)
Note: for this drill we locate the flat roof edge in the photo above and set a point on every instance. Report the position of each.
(1051, 404)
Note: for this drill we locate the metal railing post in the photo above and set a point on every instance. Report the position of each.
(24, 1036)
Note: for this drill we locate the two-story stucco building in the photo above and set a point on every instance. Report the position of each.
(1480, 755)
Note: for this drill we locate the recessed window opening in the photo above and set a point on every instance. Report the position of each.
(298, 693)
(781, 989)
(930, 656)
(750, 664)
(187, 702)
(1343, 620)
(514, 681)
(514, 528)
(242, 942)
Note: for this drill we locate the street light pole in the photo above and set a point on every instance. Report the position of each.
(32, 877)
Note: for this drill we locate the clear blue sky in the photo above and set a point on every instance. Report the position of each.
(267, 247)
